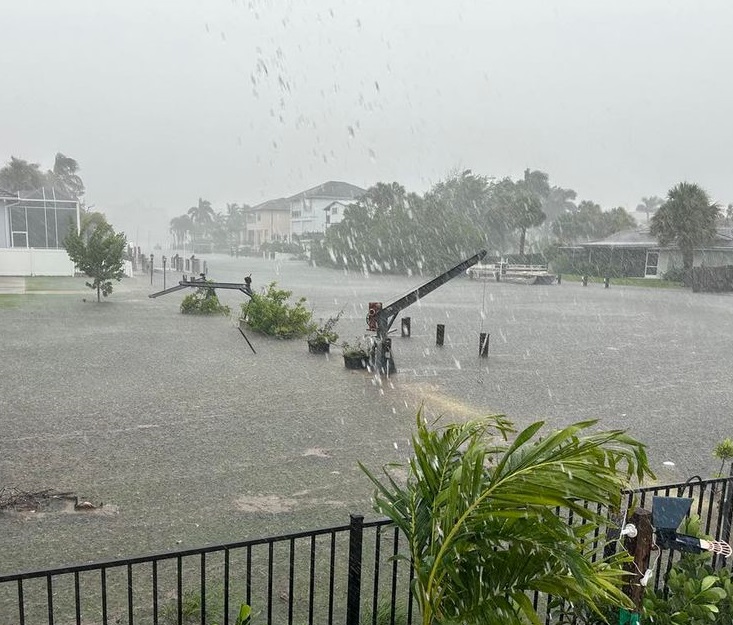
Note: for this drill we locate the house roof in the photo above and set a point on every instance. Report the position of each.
(644, 239)
(279, 204)
(625, 238)
(49, 194)
(330, 206)
(333, 189)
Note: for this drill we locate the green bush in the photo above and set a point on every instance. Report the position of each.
(675, 274)
(270, 313)
(203, 301)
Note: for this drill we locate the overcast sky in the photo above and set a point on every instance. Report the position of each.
(162, 102)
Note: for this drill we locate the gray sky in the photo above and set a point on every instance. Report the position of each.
(245, 100)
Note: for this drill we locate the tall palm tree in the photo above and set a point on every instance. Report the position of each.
(179, 227)
(649, 205)
(479, 515)
(65, 174)
(687, 219)
(202, 215)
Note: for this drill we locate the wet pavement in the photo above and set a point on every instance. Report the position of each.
(189, 438)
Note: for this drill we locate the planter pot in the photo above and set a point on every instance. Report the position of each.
(315, 347)
(355, 361)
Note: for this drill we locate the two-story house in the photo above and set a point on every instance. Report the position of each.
(268, 221)
(313, 210)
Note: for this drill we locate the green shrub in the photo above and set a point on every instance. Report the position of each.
(675, 274)
(270, 313)
(325, 332)
(203, 301)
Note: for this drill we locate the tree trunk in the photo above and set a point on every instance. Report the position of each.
(99, 298)
(522, 237)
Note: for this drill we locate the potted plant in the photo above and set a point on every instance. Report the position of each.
(356, 355)
(321, 338)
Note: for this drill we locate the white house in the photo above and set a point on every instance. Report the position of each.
(307, 208)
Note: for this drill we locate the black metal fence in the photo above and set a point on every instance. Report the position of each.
(344, 575)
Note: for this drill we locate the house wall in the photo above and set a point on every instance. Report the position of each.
(35, 262)
(312, 217)
(271, 225)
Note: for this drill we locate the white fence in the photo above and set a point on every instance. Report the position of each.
(35, 262)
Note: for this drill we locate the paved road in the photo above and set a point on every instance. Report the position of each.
(187, 436)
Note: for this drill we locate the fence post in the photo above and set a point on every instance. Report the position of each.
(406, 327)
(439, 334)
(483, 344)
(727, 509)
(353, 600)
(640, 547)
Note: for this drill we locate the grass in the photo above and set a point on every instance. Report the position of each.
(10, 301)
(653, 283)
(54, 283)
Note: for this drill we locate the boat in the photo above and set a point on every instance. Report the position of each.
(516, 274)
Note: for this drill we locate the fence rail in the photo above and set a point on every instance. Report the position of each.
(343, 574)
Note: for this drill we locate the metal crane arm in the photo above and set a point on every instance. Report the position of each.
(389, 312)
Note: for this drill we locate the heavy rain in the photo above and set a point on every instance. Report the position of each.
(347, 153)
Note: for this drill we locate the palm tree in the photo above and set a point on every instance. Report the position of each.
(479, 515)
(179, 226)
(687, 219)
(202, 216)
(649, 205)
(65, 174)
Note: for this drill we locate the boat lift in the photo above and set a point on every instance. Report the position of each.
(202, 283)
(381, 317)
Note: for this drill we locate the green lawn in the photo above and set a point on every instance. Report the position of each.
(653, 283)
(10, 301)
(54, 283)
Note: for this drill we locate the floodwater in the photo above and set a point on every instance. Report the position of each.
(188, 438)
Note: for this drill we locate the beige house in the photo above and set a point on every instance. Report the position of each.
(269, 221)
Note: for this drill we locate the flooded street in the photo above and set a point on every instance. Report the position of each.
(189, 438)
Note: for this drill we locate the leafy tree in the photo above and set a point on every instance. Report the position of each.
(457, 219)
(589, 222)
(519, 206)
(649, 205)
(380, 232)
(559, 202)
(617, 220)
(687, 219)
(538, 182)
(479, 516)
(271, 313)
(19, 175)
(98, 251)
